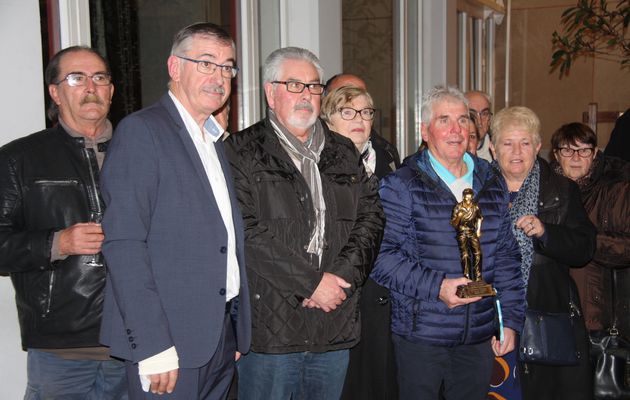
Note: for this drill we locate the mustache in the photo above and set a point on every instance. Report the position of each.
(304, 106)
(92, 98)
(214, 89)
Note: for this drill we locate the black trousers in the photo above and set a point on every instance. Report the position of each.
(209, 382)
(372, 370)
(463, 370)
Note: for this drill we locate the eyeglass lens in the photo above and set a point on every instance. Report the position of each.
(348, 113)
(298, 87)
(568, 152)
(80, 79)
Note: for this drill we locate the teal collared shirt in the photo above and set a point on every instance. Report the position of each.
(455, 184)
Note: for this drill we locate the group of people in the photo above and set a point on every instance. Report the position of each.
(273, 252)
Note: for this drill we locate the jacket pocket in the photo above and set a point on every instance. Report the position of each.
(54, 202)
(56, 182)
(47, 301)
(415, 316)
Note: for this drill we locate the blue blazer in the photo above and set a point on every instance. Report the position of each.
(165, 243)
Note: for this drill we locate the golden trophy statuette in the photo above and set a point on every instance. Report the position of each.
(466, 220)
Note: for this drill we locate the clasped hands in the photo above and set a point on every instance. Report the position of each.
(329, 294)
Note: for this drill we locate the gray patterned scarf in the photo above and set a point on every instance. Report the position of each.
(306, 156)
(526, 203)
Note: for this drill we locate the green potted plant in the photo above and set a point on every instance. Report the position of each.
(596, 28)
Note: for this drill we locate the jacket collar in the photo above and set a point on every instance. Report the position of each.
(483, 175)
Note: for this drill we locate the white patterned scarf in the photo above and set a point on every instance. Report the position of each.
(526, 203)
(307, 154)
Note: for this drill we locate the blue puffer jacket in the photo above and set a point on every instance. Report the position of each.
(419, 250)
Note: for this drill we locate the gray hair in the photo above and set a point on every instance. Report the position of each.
(273, 63)
(438, 94)
(182, 41)
(340, 97)
(51, 75)
(515, 118)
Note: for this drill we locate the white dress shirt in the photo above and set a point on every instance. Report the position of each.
(204, 143)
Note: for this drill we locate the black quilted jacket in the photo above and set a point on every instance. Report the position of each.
(278, 216)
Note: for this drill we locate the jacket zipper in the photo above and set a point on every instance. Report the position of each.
(96, 206)
(466, 323)
(56, 182)
(415, 316)
(51, 282)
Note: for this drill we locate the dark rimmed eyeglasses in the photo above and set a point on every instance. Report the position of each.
(569, 152)
(80, 79)
(298, 87)
(208, 67)
(349, 113)
(483, 114)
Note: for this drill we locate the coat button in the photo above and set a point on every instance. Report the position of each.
(222, 291)
(223, 249)
(128, 331)
(130, 339)
(133, 346)
(257, 296)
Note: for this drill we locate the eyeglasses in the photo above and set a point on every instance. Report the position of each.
(485, 113)
(80, 79)
(298, 87)
(208, 67)
(348, 113)
(569, 152)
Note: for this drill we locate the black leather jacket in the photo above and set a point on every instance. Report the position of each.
(48, 181)
(278, 216)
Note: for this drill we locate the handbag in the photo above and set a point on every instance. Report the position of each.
(548, 339)
(610, 353)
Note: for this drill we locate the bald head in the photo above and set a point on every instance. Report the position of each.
(479, 105)
(345, 80)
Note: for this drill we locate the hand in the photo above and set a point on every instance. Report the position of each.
(448, 292)
(237, 355)
(531, 225)
(82, 238)
(164, 382)
(308, 303)
(509, 341)
(329, 293)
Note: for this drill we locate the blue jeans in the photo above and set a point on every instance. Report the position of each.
(51, 377)
(295, 376)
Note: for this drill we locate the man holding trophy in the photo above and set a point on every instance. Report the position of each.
(444, 315)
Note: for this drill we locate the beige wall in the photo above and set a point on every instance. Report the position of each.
(368, 52)
(532, 84)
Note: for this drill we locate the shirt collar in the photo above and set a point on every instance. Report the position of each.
(104, 136)
(446, 175)
(211, 127)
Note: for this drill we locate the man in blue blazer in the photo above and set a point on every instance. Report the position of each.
(176, 304)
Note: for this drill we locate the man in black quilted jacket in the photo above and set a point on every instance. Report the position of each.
(313, 225)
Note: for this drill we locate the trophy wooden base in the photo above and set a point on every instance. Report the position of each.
(475, 289)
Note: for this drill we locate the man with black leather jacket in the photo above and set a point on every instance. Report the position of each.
(49, 193)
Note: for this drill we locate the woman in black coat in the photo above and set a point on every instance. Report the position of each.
(371, 372)
(554, 232)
